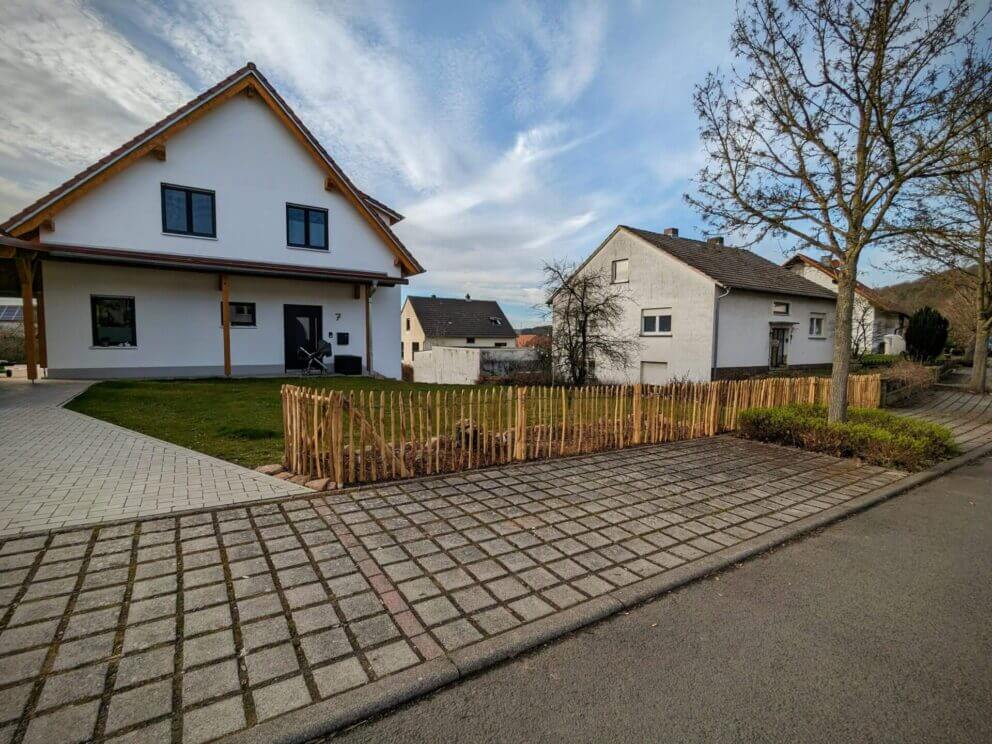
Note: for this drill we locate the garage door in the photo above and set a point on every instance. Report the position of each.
(654, 373)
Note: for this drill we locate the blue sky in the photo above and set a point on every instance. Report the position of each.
(507, 133)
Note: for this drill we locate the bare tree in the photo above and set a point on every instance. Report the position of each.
(952, 242)
(836, 108)
(863, 328)
(587, 311)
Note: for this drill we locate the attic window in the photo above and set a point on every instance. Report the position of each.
(621, 271)
(495, 321)
(780, 308)
(188, 212)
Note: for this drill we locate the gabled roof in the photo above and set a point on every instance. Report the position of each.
(734, 268)
(867, 293)
(442, 317)
(249, 80)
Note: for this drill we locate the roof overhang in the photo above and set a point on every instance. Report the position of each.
(179, 262)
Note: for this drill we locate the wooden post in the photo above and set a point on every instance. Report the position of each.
(42, 335)
(25, 272)
(368, 328)
(225, 320)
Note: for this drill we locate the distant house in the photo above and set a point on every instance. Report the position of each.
(706, 311)
(874, 318)
(426, 322)
(535, 340)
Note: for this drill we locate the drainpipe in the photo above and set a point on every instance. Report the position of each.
(716, 328)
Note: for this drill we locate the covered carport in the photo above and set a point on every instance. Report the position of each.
(20, 277)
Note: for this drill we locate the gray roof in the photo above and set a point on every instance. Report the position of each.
(735, 267)
(449, 316)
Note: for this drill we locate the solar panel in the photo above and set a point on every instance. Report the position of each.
(11, 313)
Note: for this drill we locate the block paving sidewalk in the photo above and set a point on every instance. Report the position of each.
(187, 628)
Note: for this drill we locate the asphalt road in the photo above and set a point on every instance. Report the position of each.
(876, 629)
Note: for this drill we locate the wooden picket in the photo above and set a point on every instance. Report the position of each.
(374, 436)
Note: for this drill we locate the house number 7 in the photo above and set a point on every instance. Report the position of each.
(337, 316)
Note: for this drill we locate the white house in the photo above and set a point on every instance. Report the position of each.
(876, 324)
(426, 322)
(218, 241)
(706, 311)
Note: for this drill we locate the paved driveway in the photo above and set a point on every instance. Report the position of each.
(968, 416)
(61, 468)
(187, 628)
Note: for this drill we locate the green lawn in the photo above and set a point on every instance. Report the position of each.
(235, 420)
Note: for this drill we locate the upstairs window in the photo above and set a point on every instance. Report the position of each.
(113, 321)
(780, 308)
(306, 227)
(188, 211)
(470, 340)
(656, 322)
(621, 271)
(816, 325)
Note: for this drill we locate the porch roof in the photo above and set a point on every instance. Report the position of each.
(179, 262)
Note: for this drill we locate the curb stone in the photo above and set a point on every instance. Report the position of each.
(328, 716)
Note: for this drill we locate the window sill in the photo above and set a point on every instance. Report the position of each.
(306, 248)
(114, 348)
(656, 335)
(191, 237)
(817, 338)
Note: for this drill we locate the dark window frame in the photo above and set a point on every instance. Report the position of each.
(306, 228)
(470, 339)
(188, 191)
(254, 314)
(94, 299)
(343, 338)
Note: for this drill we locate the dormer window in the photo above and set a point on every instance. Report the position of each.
(187, 211)
(495, 321)
(306, 227)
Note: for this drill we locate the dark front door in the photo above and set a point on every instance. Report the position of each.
(303, 328)
(776, 342)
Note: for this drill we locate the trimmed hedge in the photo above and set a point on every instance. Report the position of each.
(875, 436)
(878, 360)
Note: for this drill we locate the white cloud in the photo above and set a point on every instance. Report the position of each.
(74, 89)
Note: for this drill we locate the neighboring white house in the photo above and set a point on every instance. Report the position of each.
(873, 317)
(232, 200)
(705, 311)
(426, 322)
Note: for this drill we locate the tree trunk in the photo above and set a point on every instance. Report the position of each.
(846, 279)
(979, 365)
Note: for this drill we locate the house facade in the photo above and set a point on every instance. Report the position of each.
(426, 322)
(703, 311)
(221, 240)
(876, 325)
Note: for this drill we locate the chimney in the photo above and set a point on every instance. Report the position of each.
(673, 231)
(468, 297)
(715, 240)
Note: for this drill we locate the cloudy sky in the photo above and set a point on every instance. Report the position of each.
(507, 133)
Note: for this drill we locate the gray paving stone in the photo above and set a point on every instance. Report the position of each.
(374, 630)
(208, 648)
(359, 606)
(271, 662)
(70, 724)
(12, 701)
(314, 618)
(456, 634)
(22, 666)
(339, 676)
(435, 611)
(506, 588)
(327, 645)
(264, 632)
(496, 620)
(201, 621)
(391, 658)
(472, 599)
(210, 681)
(139, 704)
(531, 607)
(419, 589)
(213, 721)
(140, 667)
(280, 697)
(25, 636)
(137, 637)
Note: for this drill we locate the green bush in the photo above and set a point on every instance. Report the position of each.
(926, 334)
(875, 436)
(12, 343)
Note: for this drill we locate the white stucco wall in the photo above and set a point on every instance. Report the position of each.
(450, 365)
(246, 155)
(414, 335)
(178, 321)
(744, 325)
(657, 281)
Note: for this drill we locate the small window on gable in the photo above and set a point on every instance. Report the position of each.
(188, 211)
(242, 314)
(780, 308)
(113, 321)
(415, 346)
(408, 324)
(657, 322)
(621, 271)
(306, 227)
(500, 344)
(816, 325)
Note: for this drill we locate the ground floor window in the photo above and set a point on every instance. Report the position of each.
(415, 346)
(343, 338)
(816, 325)
(500, 344)
(242, 314)
(113, 321)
